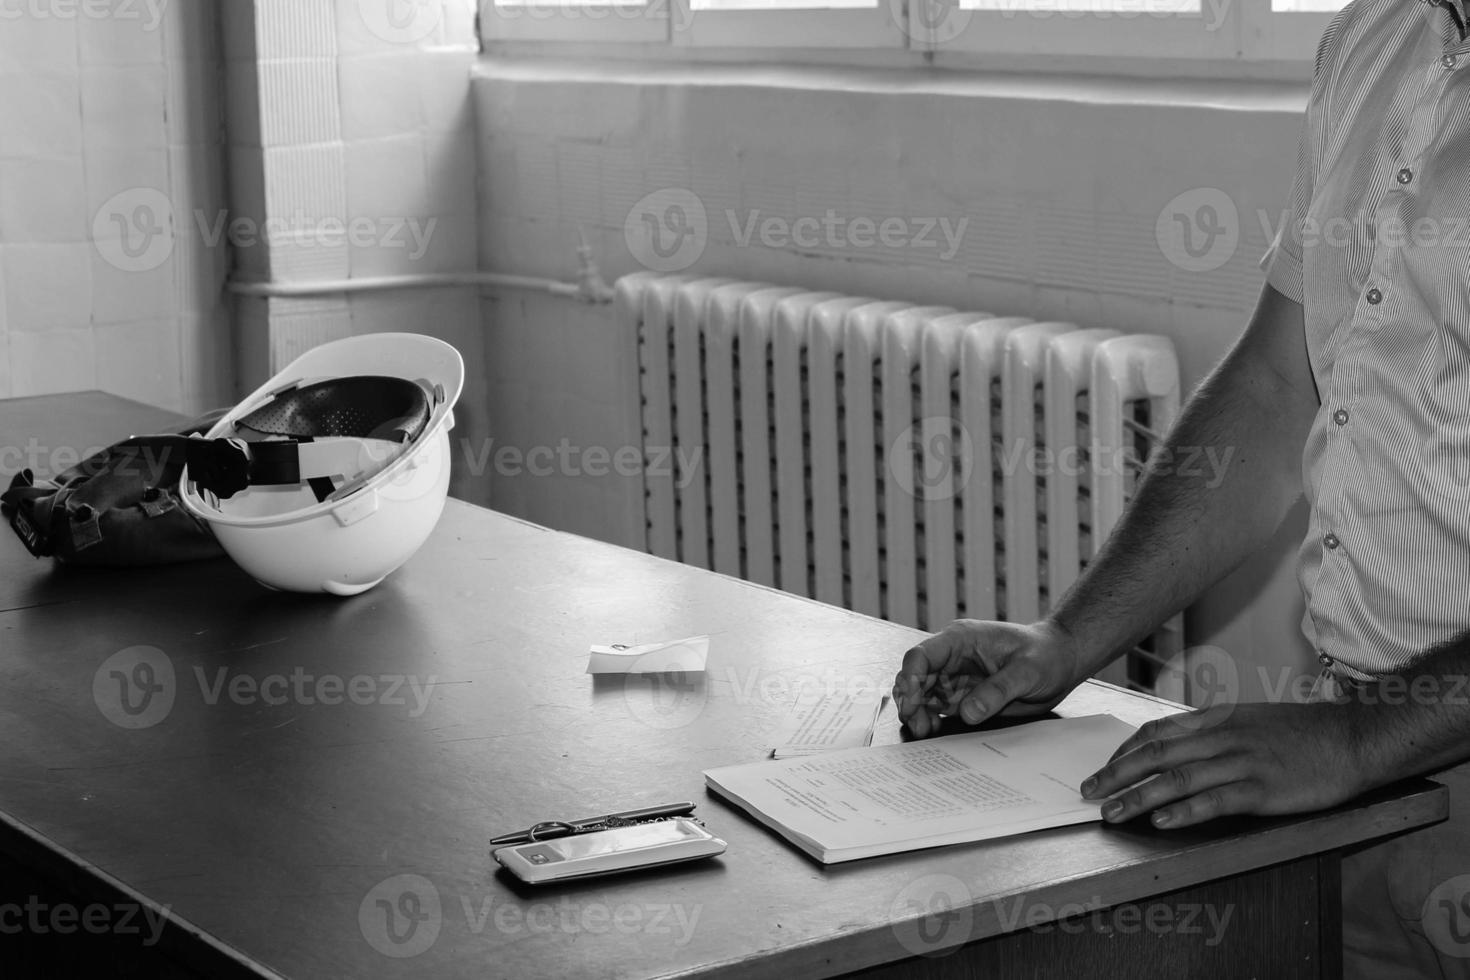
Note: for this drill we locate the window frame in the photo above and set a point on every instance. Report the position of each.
(676, 24)
(575, 21)
(1284, 35)
(1102, 34)
(1249, 35)
(874, 27)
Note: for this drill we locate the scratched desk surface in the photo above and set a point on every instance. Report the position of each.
(313, 780)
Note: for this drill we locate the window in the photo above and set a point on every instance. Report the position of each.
(595, 21)
(1307, 6)
(1131, 28)
(791, 24)
(1293, 27)
(1222, 30)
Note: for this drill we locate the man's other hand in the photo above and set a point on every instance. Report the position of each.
(1265, 759)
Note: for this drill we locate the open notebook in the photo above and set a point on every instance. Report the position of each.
(857, 803)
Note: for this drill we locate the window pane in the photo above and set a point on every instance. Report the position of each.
(629, 4)
(1063, 8)
(781, 4)
(1306, 6)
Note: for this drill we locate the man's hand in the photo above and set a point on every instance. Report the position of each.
(978, 669)
(1262, 759)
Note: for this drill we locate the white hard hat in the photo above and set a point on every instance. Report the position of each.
(334, 472)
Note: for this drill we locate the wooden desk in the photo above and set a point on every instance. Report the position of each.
(281, 830)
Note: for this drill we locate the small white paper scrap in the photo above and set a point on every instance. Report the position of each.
(688, 655)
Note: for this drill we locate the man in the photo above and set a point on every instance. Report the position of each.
(1351, 383)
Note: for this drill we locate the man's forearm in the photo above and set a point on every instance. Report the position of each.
(1413, 721)
(1189, 526)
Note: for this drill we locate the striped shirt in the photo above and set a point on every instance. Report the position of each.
(1375, 245)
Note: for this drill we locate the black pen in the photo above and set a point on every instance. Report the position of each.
(567, 828)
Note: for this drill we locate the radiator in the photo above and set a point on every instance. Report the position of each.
(916, 463)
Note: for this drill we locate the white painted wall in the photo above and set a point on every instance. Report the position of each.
(1063, 182)
(342, 118)
(101, 117)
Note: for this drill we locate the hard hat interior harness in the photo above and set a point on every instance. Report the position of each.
(311, 433)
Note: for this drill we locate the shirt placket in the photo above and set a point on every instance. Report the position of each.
(1346, 389)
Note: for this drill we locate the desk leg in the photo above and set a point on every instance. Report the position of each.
(1282, 921)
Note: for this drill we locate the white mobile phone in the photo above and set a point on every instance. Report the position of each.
(601, 852)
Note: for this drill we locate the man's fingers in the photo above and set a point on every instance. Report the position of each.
(1159, 728)
(991, 694)
(921, 701)
(915, 692)
(946, 674)
(1149, 758)
(1172, 785)
(921, 722)
(916, 677)
(1237, 797)
(931, 656)
(951, 692)
(930, 664)
(910, 692)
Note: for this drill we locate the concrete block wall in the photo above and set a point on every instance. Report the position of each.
(353, 155)
(109, 127)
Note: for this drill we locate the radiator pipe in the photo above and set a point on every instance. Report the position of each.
(589, 287)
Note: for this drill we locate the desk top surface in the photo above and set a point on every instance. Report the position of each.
(315, 781)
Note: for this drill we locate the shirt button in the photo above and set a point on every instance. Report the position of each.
(1405, 175)
(1324, 660)
(1375, 296)
(1340, 416)
(1448, 61)
(1331, 541)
